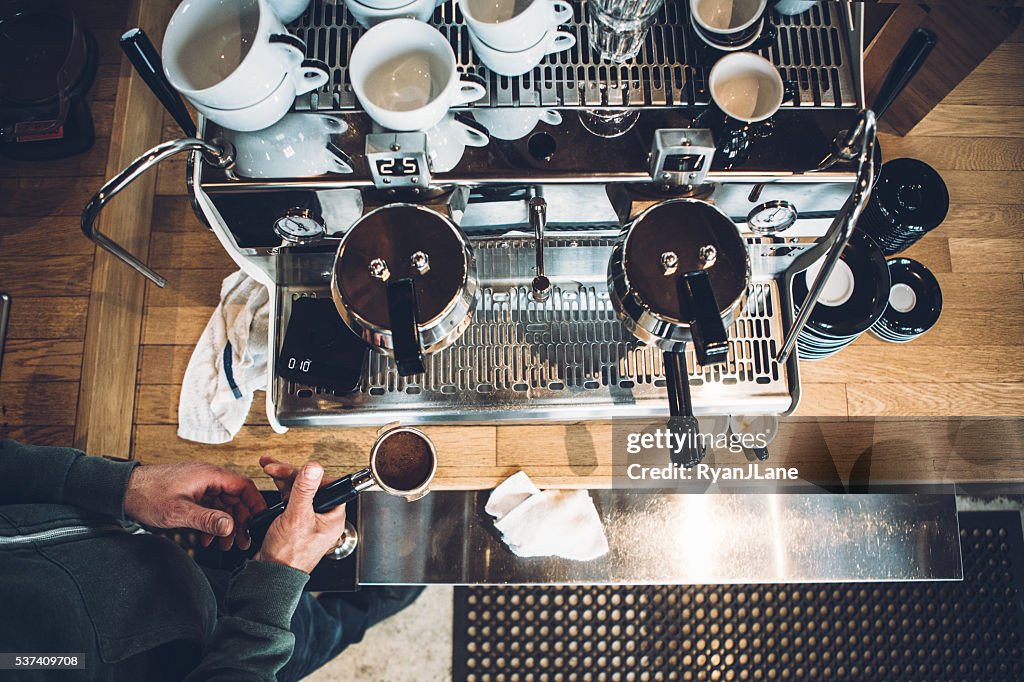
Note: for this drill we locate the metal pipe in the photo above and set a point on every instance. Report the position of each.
(218, 153)
(541, 285)
(5, 310)
(845, 222)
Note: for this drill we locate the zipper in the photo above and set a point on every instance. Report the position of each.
(55, 534)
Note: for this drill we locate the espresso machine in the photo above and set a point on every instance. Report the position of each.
(532, 223)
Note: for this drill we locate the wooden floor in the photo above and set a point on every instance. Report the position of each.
(969, 365)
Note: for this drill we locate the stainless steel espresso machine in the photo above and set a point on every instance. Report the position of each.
(539, 336)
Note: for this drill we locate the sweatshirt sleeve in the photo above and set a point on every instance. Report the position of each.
(252, 639)
(32, 474)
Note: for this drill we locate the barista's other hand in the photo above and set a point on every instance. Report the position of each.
(300, 537)
(196, 495)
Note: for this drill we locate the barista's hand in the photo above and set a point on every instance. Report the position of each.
(299, 537)
(196, 495)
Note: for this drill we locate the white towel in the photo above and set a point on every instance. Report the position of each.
(533, 522)
(228, 364)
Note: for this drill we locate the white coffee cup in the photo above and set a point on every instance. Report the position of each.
(289, 10)
(728, 24)
(404, 74)
(523, 61)
(369, 16)
(260, 115)
(515, 123)
(746, 87)
(389, 4)
(792, 7)
(299, 145)
(513, 25)
(230, 54)
(447, 141)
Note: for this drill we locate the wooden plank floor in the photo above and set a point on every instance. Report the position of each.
(968, 365)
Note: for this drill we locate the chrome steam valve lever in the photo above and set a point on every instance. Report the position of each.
(538, 219)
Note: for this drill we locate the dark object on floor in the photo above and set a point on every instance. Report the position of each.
(915, 302)
(49, 63)
(919, 631)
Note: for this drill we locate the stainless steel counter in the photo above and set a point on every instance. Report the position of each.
(674, 539)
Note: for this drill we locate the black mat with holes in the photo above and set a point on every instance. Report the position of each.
(919, 631)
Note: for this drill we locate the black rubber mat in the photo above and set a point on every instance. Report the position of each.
(920, 631)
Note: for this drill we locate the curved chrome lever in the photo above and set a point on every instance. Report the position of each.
(218, 153)
(844, 223)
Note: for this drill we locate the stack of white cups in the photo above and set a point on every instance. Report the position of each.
(237, 63)
(511, 37)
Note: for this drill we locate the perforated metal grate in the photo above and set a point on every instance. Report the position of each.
(949, 631)
(570, 351)
(810, 48)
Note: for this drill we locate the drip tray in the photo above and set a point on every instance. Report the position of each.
(566, 359)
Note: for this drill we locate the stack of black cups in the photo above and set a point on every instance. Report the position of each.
(908, 201)
(915, 302)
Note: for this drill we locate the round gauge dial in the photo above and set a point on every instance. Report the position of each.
(300, 226)
(772, 217)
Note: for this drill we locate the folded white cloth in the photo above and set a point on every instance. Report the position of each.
(533, 522)
(228, 364)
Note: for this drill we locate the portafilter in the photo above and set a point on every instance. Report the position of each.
(405, 281)
(403, 462)
(678, 273)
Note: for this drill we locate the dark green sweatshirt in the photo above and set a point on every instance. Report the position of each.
(73, 579)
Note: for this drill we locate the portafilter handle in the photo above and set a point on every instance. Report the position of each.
(332, 495)
(219, 153)
(541, 285)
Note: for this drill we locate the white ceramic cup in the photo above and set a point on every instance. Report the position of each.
(289, 10)
(447, 141)
(299, 145)
(389, 4)
(258, 116)
(230, 54)
(746, 87)
(513, 25)
(515, 124)
(726, 17)
(403, 72)
(792, 7)
(523, 61)
(369, 16)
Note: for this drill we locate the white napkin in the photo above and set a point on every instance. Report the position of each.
(533, 522)
(228, 364)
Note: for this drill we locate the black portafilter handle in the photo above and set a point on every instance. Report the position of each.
(327, 498)
(404, 328)
(146, 60)
(682, 422)
(907, 63)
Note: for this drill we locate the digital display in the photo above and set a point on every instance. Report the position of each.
(398, 167)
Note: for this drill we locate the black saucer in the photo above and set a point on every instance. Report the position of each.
(868, 300)
(900, 327)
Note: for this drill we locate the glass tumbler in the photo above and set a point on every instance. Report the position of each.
(618, 27)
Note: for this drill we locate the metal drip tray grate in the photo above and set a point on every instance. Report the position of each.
(811, 49)
(569, 358)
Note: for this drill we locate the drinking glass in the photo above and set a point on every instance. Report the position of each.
(618, 27)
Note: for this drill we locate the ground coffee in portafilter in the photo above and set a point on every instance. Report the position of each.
(404, 461)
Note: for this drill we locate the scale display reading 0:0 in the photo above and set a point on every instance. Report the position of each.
(399, 167)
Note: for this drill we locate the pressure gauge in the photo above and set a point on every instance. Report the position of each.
(772, 217)
(300, 226)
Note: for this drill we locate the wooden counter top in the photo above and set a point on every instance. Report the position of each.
(970, 364)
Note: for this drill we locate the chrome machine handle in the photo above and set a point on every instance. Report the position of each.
(538, 208)
(219, 153)
(844, 223)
